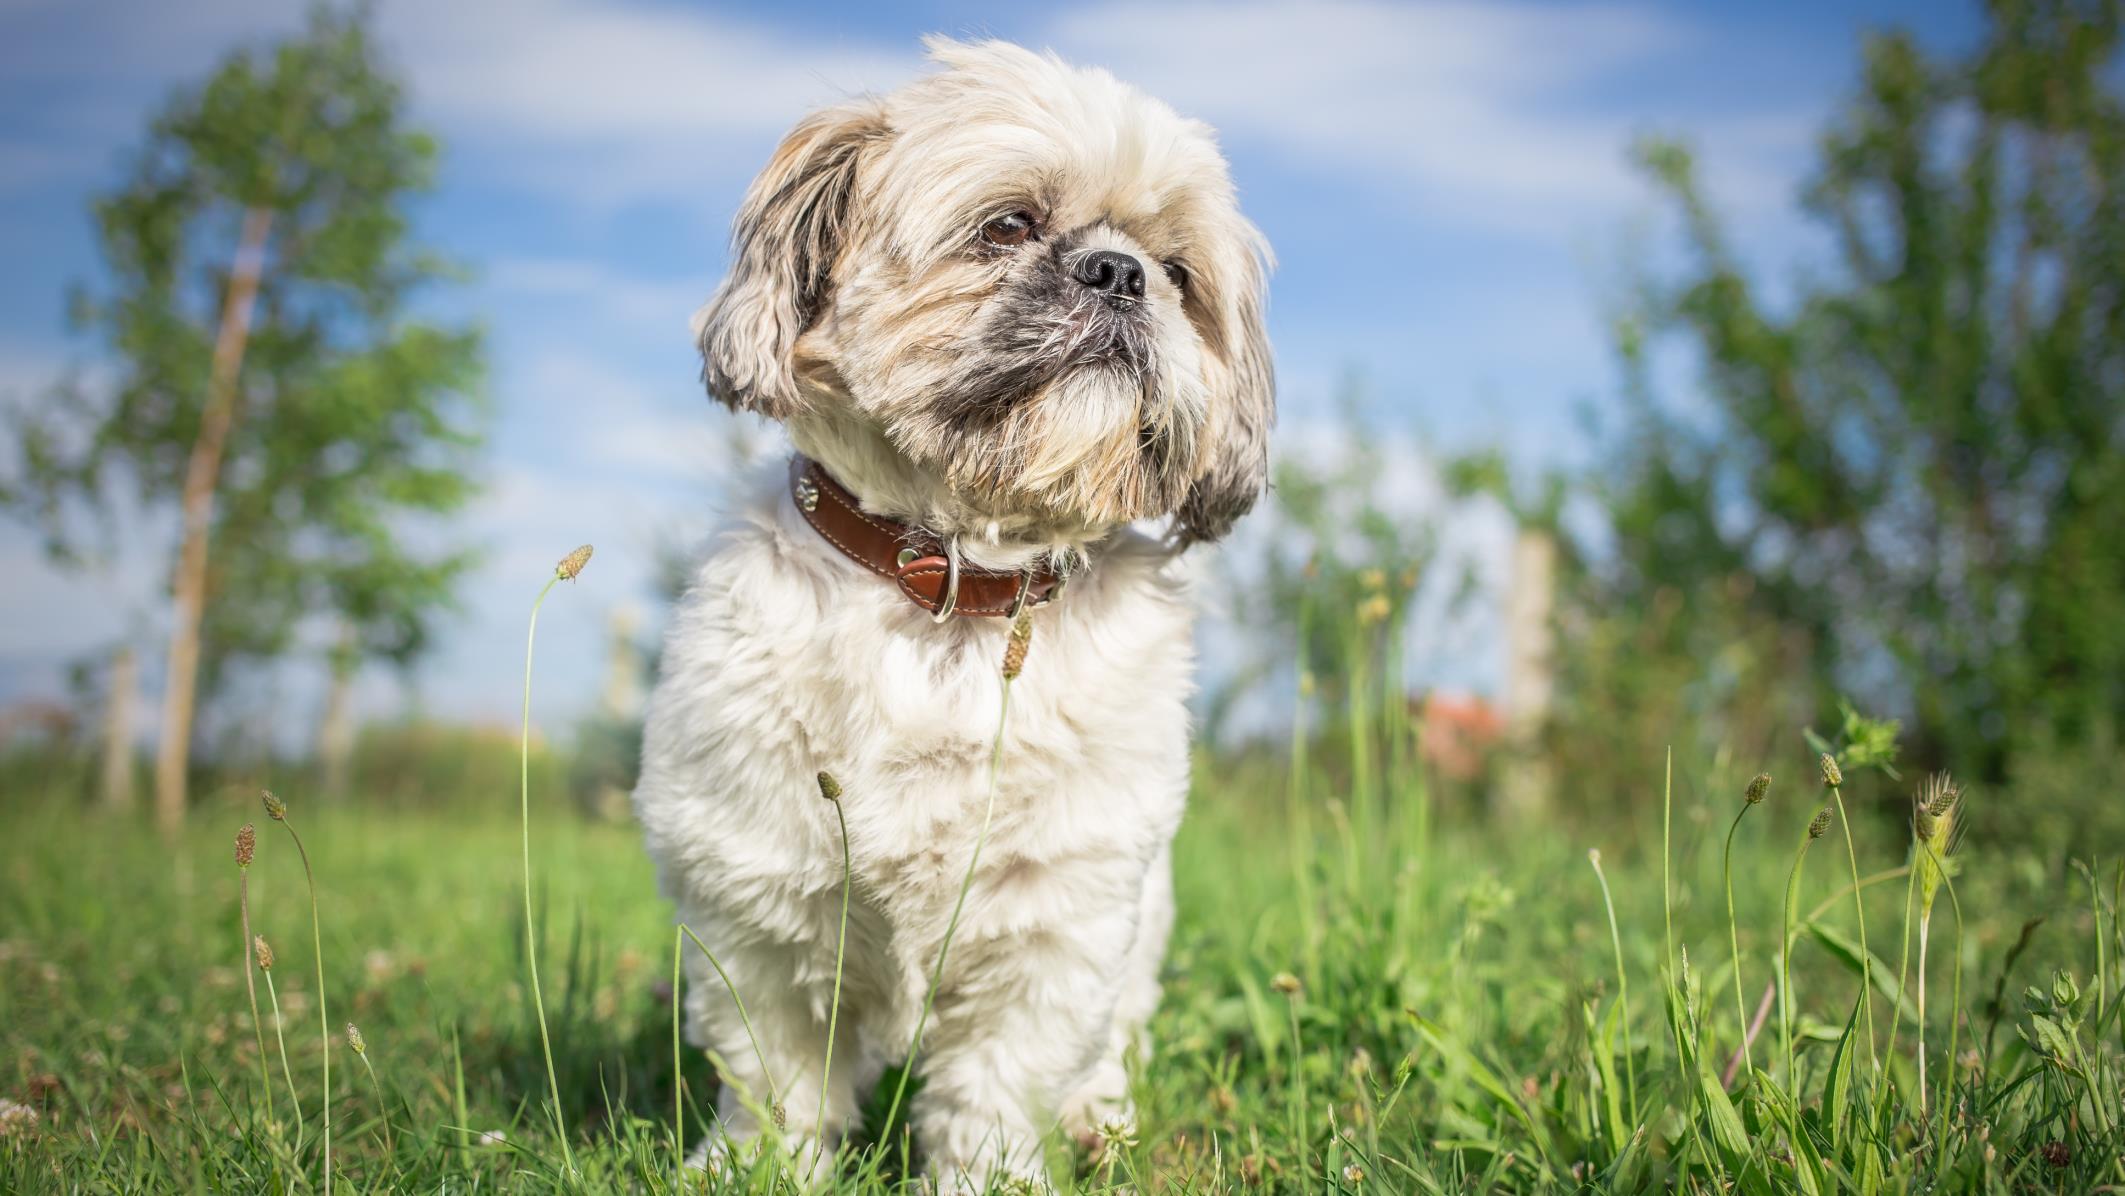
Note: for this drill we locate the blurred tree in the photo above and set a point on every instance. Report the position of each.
(273, 385)
(1907, 482)
(1338, 568)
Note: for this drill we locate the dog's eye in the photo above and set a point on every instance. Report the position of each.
(1176, 272)
(1014, 229)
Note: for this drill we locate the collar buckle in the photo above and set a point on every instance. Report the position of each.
(928, 570)
(949, 602)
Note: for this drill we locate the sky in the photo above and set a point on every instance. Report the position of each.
(1447, 187)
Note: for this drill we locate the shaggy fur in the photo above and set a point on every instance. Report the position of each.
(980, 391)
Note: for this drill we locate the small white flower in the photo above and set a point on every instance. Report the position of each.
(493, 1138)
(15, 1116)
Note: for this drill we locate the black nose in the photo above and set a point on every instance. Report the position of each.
(1114, 273)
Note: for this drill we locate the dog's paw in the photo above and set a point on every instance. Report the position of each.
(1101, 1118)
(800, 1158)
(710, 1156)
(975, 1180)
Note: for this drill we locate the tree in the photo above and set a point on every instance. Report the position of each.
(1910, 478)
(274, 383)
(1332, 586)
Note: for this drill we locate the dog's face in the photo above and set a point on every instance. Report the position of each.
(1034, 281)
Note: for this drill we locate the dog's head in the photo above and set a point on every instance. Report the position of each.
(1033, 281)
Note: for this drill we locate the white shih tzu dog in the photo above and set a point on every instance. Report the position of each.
(1004, 313)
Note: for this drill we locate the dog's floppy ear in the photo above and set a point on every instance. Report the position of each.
(783, 245)
(1244, 414)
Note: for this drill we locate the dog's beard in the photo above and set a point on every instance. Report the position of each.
(1038, 334)
(1060, 398)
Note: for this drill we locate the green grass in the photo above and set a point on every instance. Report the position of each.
(1455, 1026)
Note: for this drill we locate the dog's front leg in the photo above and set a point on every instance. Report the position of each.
(772, 1067)
(1025, 1011)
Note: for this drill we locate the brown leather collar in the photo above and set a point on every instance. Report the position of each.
(915, 560)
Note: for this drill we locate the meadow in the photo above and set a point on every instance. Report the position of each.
(1373, 986)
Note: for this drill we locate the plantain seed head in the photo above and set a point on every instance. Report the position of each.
(571, 565)
(1014, 652)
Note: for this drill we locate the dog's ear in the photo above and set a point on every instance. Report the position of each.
(1244, 414)
(784, 241)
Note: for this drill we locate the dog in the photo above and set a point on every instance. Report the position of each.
(1011, 318)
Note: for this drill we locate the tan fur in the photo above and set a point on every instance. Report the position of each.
(861, 297)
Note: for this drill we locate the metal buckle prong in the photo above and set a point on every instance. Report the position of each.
(950, 601)
(1025, 591)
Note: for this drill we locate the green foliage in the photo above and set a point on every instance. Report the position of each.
(409, 762)
(357, 416)
(1861, 742)
(1332, 587)
(1908, 479)
(603, 766)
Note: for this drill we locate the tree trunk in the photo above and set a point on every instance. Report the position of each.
(202, 474)
(1530, 677)
(118, 730)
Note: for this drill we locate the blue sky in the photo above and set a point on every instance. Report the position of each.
(1446, 186)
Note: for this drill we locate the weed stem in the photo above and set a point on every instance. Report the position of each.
(1741, 1003)
(966, 885)
(1859, 911)
(833, 1017)
(1623, 984)
(531, 933)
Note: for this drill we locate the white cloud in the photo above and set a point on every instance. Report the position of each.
(1496, 114)
(607, 421)
(27, 366)
(604, 104)
(592, 102)
(526, 521)
(1451, 94)
(1490, 112)
(660, 305)
(571, 71)
(1499, 112)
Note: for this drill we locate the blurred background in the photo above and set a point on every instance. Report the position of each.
(1653, 375)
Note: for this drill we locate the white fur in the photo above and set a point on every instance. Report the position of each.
(785, 659)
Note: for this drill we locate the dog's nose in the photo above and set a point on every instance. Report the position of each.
(1116, 274)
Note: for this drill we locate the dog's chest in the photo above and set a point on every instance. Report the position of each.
(786, 661)
(1092, 748)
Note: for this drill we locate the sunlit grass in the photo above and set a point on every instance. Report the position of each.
(1458, 1022)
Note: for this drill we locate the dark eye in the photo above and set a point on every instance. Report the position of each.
(1176, 272)
(1014, 229)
